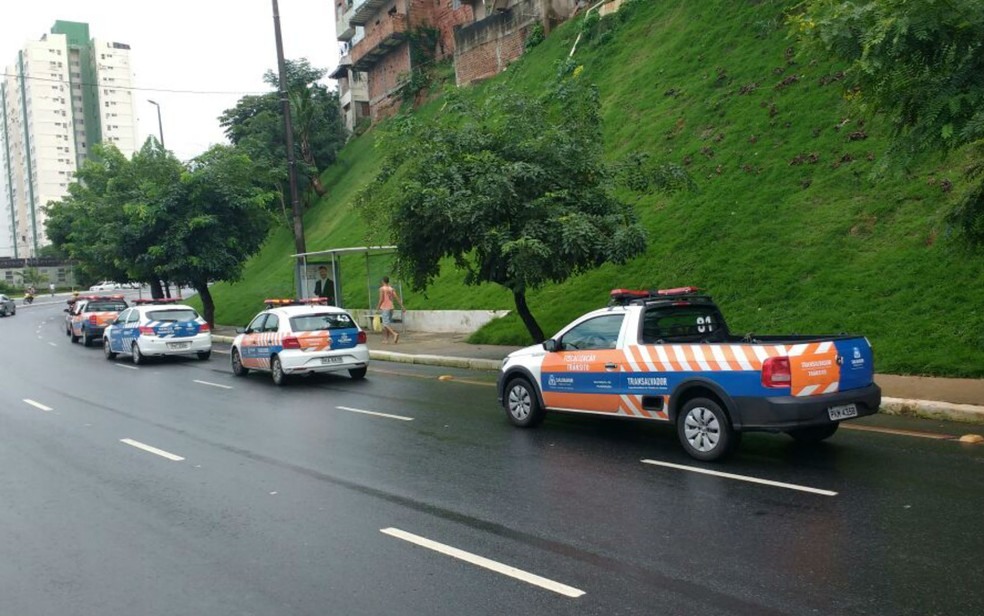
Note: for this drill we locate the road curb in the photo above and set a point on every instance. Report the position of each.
(225, 339)
(929, 409)
(468, 363)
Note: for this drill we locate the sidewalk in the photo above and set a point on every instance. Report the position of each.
(917, 396)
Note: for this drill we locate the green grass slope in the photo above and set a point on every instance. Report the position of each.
(787, 230)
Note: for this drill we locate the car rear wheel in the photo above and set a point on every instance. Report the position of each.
(705, 430)
(813, 434)
(277, 370)
(86, 340)
(203, 355)
(107, 350)
(358, 373)
(521, 404)
(237, 364)
(73, 336)
(136, 355)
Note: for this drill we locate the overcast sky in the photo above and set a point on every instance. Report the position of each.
(198, 46)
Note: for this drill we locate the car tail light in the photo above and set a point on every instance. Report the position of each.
(93, 320)
(205, 327)
(776, 372)
(147, 331)
(361, 338)
(291, 342)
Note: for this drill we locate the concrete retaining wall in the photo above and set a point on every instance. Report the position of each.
(437, 321)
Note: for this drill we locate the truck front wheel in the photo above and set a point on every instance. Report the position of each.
(705, 430)
(521, 403)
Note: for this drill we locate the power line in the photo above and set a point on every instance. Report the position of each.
(136, 89)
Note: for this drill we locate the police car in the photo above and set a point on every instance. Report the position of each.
(295, 337)
(158, 327)
(89, 315)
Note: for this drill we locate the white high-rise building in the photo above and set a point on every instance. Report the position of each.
(64, 93)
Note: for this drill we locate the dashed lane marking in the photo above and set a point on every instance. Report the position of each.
(365, 412)
(153, 450)
(485, 563)
(766, 482)
(212, 384)
(37, 405)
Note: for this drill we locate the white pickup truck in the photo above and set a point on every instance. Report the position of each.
(668, 356)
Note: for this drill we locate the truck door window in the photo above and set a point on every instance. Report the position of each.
(682, 324)
(597, 333)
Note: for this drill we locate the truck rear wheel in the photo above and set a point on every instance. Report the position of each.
(813, 434)
(705, 430)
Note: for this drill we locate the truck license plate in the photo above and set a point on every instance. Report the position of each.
(842, 412)
(330, 360)
(177, 346)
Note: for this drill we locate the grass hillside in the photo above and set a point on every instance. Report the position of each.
(788, 230)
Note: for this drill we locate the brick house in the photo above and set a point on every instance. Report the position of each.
(384, 52)
(498, 34)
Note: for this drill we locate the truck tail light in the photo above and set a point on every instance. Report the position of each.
(361, 338)
(291, 342)
(776, 372)
(147, 331)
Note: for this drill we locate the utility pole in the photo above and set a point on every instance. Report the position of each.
(295, 203)
(160, 125)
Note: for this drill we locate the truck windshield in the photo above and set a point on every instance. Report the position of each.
(105, 306)
(689, 323)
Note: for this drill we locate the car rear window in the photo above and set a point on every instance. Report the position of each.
(105, 307)
(174, 314)
(321, 322)
(682, 324)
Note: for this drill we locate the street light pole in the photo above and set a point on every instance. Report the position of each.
(160, 126)
(295, 202)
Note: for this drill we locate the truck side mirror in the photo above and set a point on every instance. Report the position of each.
(550, 345)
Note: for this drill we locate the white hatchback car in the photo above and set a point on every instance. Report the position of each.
(305, 337)
(156, 328)
(106, 285)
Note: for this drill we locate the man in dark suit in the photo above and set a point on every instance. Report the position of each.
(323, 286)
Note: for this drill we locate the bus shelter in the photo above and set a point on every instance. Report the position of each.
(320, 273)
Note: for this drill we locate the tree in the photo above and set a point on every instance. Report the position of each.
(219, 217)
(919, 62)
(151, 218)
(256, 125)
(512, 188)
(114, 211)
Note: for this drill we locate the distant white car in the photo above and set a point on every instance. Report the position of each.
(106, 285)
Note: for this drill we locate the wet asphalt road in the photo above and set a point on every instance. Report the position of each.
(278, 504)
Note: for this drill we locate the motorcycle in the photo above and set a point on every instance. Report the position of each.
(28, 298)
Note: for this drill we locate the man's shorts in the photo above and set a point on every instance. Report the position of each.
(387, 317)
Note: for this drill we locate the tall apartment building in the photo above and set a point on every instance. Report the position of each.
(64, 93)
(353, 85)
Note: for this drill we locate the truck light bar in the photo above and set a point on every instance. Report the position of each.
(624, 296)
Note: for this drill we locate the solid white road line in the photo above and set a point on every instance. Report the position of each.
(127, 367)
(154, 450)
(212, 384)
(468, 557)
(37, 405)
(766, 482)
(364, 412)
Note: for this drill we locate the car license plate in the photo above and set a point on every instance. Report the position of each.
(177, 346)
(330, 360)
(842, 412)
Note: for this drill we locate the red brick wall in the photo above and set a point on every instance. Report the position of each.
(491, 58)
(386, 74)
(440, 14)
